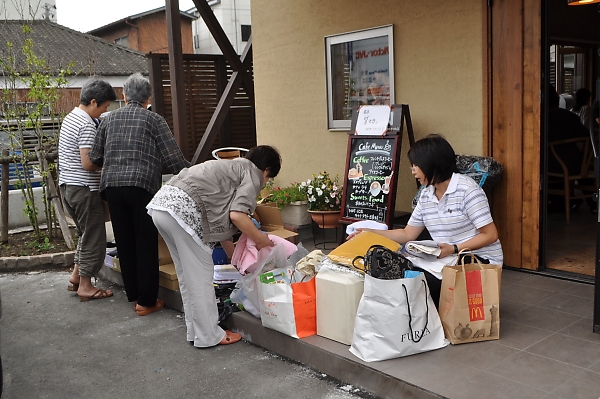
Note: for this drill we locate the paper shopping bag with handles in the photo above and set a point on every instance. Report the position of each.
(289, 308)
(470, 302)
(396, 318)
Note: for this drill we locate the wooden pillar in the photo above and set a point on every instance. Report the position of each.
(176, 71)
(4, 199)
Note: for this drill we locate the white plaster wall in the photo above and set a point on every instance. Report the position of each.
(438, 66)
(231, 14)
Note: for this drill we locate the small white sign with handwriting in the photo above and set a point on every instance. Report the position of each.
(373, 120)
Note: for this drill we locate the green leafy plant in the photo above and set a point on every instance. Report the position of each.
(324, 193)
(41, 245)
(31, 121)
(284, 196)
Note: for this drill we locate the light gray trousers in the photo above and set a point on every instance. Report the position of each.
(195, 271)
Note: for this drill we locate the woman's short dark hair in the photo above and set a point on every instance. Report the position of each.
(96, 89)
(265, 157)
(435, 157)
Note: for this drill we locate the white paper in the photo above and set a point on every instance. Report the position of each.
(373, 120)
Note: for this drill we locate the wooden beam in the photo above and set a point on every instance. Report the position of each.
(222, 40)
(176, 70)
(507, 113)
(204, 148)
(530, 227)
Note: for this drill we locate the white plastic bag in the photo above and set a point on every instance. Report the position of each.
(396, 318)
(246, 291)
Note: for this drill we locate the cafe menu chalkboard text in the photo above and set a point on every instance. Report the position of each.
(369, 188)
(371, 172)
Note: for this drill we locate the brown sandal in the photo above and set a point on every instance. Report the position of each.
(230, 338)
(99, 294)
(157, 306)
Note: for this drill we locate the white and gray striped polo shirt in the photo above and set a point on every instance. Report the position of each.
(77, 131)
(455, 218)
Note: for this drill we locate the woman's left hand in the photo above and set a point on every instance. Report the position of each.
(447, 249)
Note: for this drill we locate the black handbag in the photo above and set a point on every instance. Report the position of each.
(383, 263)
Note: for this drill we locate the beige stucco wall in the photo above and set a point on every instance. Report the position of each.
(437, 64)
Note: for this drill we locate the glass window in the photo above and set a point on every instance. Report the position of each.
(246, 32)
(122, 41)
(359, 72)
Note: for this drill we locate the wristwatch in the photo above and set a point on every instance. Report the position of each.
(455, 248)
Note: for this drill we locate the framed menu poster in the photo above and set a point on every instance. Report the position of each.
(371, 178)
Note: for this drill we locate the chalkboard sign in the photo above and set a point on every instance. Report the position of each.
(371, 178)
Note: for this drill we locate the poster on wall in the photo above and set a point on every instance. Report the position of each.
(359, 72)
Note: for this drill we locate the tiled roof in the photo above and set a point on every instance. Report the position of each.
(60, 45)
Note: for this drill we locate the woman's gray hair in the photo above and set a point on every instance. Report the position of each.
(137, 88)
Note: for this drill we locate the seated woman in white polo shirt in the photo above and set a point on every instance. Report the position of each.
(452, 207)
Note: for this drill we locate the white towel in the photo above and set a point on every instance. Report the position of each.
(365, 224)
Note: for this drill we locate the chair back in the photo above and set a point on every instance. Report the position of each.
(229, 152)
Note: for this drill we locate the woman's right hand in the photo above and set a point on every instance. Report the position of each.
(263, 241)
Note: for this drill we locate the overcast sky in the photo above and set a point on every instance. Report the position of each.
(85, 15)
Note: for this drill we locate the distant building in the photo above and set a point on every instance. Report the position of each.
(28, 9)
(59, 46)
(234, 17)
(147, 32)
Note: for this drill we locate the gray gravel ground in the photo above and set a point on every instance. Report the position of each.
(54, 346)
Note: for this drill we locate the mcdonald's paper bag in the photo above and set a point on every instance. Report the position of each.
(289, 308)
(470, 302)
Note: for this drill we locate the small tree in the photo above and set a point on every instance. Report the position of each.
(24, 114)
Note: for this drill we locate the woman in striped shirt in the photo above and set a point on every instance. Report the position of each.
(452, 207)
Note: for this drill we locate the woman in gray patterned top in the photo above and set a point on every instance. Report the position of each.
(131, 145)
(203, 205)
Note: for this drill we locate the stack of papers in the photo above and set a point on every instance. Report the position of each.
(423, 249)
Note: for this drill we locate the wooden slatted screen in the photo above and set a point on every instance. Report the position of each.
(205, 78)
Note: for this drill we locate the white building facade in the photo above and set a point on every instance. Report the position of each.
(234, 17)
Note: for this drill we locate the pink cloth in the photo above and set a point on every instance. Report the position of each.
(246, 257)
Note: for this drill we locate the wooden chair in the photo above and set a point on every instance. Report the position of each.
(229, 152)
(568, 180)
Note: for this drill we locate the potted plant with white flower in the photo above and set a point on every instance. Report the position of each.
(324, 199)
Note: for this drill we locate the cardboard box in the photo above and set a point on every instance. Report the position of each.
(172, 285)
(164, 256)
(112, 262)
(116, 265)
(167, 277)
(270, 221)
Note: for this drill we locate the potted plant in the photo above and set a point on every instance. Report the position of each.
(291, 201)
(324, 199)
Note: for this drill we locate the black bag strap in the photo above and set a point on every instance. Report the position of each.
(412, 338)
(358, 268)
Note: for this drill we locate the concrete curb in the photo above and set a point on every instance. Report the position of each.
(37, 262)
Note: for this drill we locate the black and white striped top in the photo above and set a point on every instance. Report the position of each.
(455, 218)
(77, 131)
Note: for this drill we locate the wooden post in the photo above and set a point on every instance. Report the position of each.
(4, 200)
(55, 199)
